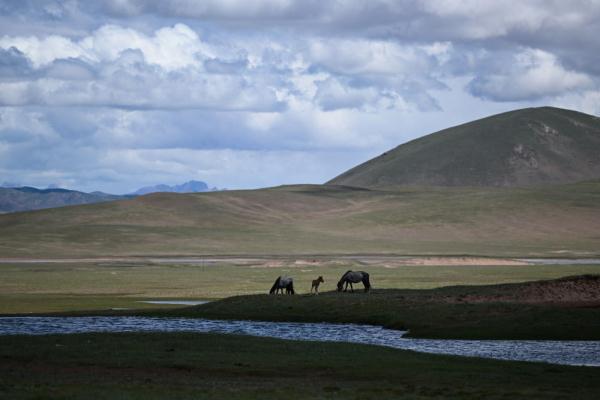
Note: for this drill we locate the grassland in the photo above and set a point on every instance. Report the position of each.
(459, 312)
(311, 219)
(59, 287)
(182, 366)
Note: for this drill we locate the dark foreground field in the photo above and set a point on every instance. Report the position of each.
(181, 366)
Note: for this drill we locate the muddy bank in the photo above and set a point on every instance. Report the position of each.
(581, 290)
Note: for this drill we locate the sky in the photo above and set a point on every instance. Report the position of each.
(119, 94)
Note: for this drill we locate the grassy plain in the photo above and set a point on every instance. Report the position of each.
(451, 312)
(58, 287)
(192, 366)
(548, 221)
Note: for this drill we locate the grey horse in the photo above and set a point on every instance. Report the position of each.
(351, 277)
(283, 282)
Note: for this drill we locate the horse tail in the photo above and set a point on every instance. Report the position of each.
(275, 285)
(291, 287)
(366, 281)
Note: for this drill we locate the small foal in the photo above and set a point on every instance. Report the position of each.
(315, 284)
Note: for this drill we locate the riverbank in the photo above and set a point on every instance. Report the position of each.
(562, 309)
(187, 365)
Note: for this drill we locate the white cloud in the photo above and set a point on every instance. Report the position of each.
(43, 51)
(333, 95)
(170, 47)
(532, 74)
(121, 67)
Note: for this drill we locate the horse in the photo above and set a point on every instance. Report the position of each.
(351, 277)
(315, 284)
(283, 282)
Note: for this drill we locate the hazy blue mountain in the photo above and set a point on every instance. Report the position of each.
(187, 187)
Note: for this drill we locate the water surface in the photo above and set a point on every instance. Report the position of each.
(178, 302)
(555, 352)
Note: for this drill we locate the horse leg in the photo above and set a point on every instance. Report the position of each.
(346, 287)
(351, 288)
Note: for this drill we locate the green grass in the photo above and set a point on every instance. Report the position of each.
(311, 219)
(425, 313)
(182, 366)
(59, 287)
(524, 147)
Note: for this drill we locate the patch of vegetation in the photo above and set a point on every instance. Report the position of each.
(60, 287)
(421, 314)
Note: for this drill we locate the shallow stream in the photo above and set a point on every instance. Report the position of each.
(556, 352)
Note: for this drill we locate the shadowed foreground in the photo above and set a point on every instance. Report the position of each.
(152, 366)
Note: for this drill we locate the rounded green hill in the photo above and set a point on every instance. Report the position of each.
(532, 146)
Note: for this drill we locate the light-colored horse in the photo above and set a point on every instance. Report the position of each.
(315, 284)
(351, 277)
(283, 282)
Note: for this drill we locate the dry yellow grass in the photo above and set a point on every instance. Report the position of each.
(312, 219)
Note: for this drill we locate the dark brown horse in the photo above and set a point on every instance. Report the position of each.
(315, 284)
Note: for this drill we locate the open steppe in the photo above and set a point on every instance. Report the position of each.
(550, 221)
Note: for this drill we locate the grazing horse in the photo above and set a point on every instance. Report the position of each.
(351, 277)
(315, 284)
(283, 282)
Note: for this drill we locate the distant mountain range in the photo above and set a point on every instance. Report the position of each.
(527, 147)
(188, 187)
(25, 198)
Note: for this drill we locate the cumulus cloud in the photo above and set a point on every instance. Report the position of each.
(174, 68)
(531, 74)
(121, 67)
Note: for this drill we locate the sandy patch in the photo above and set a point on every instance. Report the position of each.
(461, 261)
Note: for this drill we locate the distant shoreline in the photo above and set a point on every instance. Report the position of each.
(313, 259)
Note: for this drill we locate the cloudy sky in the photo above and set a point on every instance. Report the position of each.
(115, 95)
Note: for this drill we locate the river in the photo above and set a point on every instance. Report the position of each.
(585, 353)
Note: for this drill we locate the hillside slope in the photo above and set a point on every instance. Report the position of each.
(532, 146)
(559, 220)
(29, 198)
